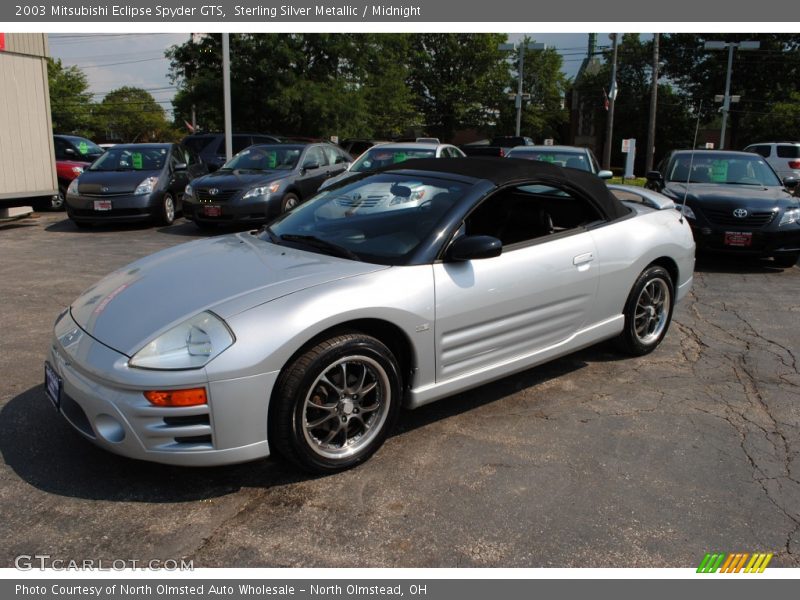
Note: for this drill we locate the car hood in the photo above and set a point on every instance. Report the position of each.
(231, 180)
(726, 194)
(112, 182)
(225, 275)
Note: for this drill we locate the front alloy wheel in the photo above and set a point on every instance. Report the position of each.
(335, 404)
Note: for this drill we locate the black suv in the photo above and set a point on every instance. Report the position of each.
(735, 203)
(210, 147)
(261, 182)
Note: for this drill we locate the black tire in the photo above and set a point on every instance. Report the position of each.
(646, 318)
(289, 201)
(306, 408)
(786, 261)
(166, 210)
(60, 202)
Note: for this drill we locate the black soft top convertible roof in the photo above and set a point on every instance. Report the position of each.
(509, 171)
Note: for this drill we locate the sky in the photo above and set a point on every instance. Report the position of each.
(112, 60)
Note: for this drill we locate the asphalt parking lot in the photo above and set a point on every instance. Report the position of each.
(592, 460)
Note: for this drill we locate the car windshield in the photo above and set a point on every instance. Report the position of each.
(198, 144)
(131, 158)
(86, 147)
(573, 160)
(381, 218)
(728, 169)
(383, 157)
(264, 158)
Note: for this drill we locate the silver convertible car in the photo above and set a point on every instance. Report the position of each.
(397, 287)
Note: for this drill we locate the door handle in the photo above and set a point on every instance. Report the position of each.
(582, 259)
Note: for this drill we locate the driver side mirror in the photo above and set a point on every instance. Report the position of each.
(474, 247)
(605, 174)
(180, 167)
(790, 183)
(310, 165)
(653, 176)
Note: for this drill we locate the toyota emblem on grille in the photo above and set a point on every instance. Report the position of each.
(740, 213)
(213, 191)
(105, 189)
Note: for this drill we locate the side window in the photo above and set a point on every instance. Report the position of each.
(331, 155)
(315, 156)
(763, 150)
(788, 151)
(240, 142)
(525, 213)
(60, 149)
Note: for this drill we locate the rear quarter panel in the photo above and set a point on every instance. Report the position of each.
(627, 246)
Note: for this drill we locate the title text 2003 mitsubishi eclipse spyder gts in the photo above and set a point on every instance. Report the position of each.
(401, 286)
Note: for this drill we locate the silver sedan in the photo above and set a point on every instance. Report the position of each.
(405, 286)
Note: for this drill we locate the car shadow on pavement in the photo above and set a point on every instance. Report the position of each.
(67, 226)
(734, 264)
(44, 451)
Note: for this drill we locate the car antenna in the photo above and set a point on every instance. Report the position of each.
(691, 161)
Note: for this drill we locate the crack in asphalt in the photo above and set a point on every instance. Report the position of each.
(757, 415)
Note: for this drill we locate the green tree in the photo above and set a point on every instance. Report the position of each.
(71, 103)
(674, 120)
(765, 79)
(543, 114)
(459, 80)
(130, 114)
(297, 84)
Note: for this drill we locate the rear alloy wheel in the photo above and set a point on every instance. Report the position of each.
(335, 405)
(648, 312)
(290, 200)
(166, 214)
(786, 261)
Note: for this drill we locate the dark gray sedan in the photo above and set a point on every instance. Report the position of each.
(261, 182)
(133, 182)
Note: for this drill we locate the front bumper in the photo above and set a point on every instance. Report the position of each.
(102, 398)
(236, 210)
(125, 207)
(764, 242)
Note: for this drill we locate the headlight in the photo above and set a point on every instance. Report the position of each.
(790, 216)
(415, 196)
(188, 191)
(73, 187)
(263, 190)
(147, 186)
(687, 211)
(190, 345)
(77, 170)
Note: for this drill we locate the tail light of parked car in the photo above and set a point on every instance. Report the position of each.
(794, 164)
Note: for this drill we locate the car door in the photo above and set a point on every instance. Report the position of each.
(535, 295)
(177, 170)
(313, 171)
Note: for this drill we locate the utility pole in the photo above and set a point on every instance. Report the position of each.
(226, 93)
(651, 125)
(612, 96)
(726, 100)
(521, 47)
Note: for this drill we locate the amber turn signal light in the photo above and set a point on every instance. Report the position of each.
(190, 397)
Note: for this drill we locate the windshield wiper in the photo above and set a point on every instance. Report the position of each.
(320, 244)
(271, 234)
